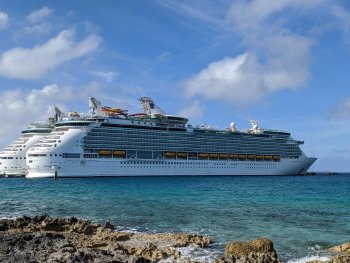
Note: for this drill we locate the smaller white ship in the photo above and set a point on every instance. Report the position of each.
(13, 157)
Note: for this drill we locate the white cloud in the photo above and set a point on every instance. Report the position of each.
(248, 14)
(39, 15)
(342, 110)
(164, 56)
(20, 107)
(33, 63)
(43, 28)
(275, 59)
(4, 18)
(194, 111)
(245, 79)
(343, 17)
(108, 76)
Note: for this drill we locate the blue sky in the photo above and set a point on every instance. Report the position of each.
(285, 63)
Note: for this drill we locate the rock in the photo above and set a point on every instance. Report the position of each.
(258, 251)
(45, 239)
(335, 259)
(109, 225)
(341, 248)
(343, 256)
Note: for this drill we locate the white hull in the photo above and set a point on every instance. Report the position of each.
(15, 162)
(104, 167)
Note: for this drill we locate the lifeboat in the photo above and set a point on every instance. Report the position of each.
(119, 153)
(242, 156)
(169, 154)
(104, 152)
(203, 155)
(260, 157)
(223, 155)
(213, 156)
(182, 154)
(251, 156)
(232, 156)
(276, 158)
(268, 157)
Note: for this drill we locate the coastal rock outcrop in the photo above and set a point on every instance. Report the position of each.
(46, 239)
(257, 251)
(343, 254)
(344, 248)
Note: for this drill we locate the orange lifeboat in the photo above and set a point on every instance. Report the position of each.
(119, 153)
(213, 156)
(223, 155)
(276, 158)
(203, 155)
(169, 154)
(268, 157)
(242, 156)
(251, 156)
(104, 152)
(181, 154)
(232, 156)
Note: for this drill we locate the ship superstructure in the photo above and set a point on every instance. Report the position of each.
(13, 157)
(111, 142)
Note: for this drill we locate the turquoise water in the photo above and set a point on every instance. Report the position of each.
(303, 215)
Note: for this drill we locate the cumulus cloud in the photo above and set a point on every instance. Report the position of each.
(4, 18)
(193, 111)
(164, 56)
(275, 57)
(246, 79)
(108, 76)
(343, 17)
(342, 110)
(20, 107)
(43, 28)
(33, 63)
(39, 15)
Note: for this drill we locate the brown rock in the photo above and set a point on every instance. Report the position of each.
(341, 248)
(46, 239)
(343, 257)
(335, 259)
(260, 251)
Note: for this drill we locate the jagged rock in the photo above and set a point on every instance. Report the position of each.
(341, 248)
(343, 256)
(109, 225)
(335, 259)
(257, 251)
(45, 239)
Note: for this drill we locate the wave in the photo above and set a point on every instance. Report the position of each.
(309, 258)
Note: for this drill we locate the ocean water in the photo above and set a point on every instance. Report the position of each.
(302, 215)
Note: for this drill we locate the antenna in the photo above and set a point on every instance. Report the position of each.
(253, 123)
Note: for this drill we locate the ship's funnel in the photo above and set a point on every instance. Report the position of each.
(149, 106)
(95, 107)
(58, 114)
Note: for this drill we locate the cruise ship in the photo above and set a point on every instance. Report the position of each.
(13, 157)
(111, 142)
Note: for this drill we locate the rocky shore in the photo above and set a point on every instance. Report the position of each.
(45, 239)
